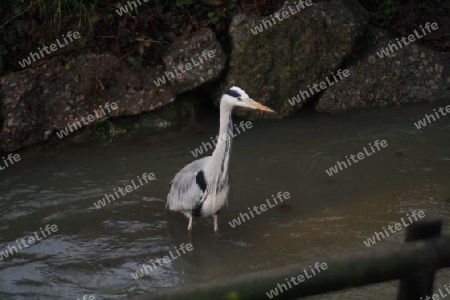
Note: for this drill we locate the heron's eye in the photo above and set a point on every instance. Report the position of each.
(239, 98)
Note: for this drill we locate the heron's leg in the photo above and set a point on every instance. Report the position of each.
(216, 227)
(190, 224)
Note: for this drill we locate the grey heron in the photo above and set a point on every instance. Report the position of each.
(200, 189)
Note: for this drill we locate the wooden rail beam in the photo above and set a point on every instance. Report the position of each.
(375, 265)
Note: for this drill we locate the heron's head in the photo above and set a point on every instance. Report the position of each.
(236, 96)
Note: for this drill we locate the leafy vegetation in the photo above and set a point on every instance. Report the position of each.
(105, 130)
(214, 18)
(387, 8)
(183, 2)
(135, 62)
(139, 36)
(26, 25)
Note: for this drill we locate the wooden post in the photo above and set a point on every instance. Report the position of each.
(420, 284)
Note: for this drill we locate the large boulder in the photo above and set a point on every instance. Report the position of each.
(272, 60)
(193, 61)
(412, 73)
(37, 102)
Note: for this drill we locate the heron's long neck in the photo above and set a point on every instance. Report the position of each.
(218, 164)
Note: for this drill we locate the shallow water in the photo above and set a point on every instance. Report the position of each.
(95, 251)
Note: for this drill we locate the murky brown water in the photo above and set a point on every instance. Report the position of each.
(95, 250)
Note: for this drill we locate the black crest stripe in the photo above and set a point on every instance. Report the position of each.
(233, 93)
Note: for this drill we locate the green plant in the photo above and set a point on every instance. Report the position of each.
(231, 7)
(183, 2)
(57, 13)
(104, 130)
(82, 41)
(135, 62)
(3, 50)
(214, 18)
(93, 19)
(387, 8)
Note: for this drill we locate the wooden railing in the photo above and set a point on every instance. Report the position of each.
(413, 262)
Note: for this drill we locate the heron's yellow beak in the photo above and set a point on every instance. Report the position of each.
(259, 106)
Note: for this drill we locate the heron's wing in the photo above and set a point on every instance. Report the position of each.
(188, 186)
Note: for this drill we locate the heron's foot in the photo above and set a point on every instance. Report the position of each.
(216, 226)
(190, 224)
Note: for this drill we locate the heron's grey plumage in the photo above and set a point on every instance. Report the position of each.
(184, 193)
(201, 187)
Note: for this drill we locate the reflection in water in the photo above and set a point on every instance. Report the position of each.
(96, 250)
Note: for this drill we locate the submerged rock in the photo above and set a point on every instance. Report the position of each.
(272, 60)
(412, 73)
